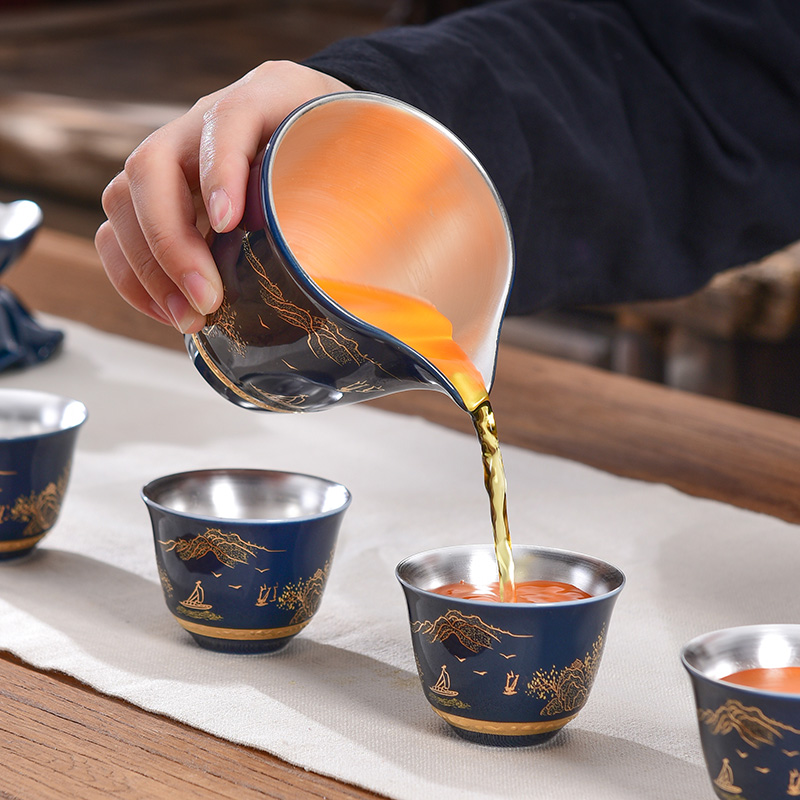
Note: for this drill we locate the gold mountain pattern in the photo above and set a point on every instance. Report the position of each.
(224, 318)
(38, 509)
(304, 596)
(324, 338)
(229, 548)
(470, 630)
(752, 725)
(566, 689)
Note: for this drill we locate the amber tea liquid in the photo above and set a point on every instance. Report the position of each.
(421, 326)
(776, 679)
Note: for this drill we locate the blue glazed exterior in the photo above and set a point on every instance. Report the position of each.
(335, 358)
(34, 474)
(243, 586)
(23, 341)
(273, 314)
(750, 739)
(507, 674)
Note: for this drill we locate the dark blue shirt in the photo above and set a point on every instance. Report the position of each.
(640, 146)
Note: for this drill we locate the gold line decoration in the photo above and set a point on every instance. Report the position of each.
(305, 596)
(275, 403)
(449, 702)
(40, 509)
(241, 634)
(566, 689)
(267, 595)
(325, 339)
(197, 599)
(11, 545)
(229, 548)
(166, 583)
(752, 725)
(793, 789)
(725, 779)
(442, 685)
(224, 319)
(361, 387)
(470, 630)
(504, 728)
(510, 688)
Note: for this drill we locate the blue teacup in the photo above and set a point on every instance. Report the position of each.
(750, 737)
(243, 555)
(38, 432)
(507, 674)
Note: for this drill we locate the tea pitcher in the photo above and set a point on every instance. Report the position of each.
(359, 190)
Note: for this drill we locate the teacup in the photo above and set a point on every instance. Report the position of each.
(750, 736)
(508, 674)
(243, 555)
(38, 432)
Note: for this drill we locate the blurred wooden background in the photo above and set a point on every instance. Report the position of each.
(82, 83)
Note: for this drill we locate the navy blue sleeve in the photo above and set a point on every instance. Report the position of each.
(639, 146)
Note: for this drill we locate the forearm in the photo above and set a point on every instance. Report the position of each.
(637, 154)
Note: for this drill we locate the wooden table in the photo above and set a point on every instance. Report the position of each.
(63, 739)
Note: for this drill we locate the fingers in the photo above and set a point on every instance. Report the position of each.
(152, 237)
(122, 277)
(238, 125)
(161, 182)
(191, 173)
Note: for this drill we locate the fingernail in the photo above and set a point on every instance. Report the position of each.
(157, 310)
(220, 210)
(183, 315)
(201, 292)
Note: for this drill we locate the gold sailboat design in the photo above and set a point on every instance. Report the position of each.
(793, 789)
(725, 779)
(511, 683)
(264, 594)
(196, 599)
(442, 686)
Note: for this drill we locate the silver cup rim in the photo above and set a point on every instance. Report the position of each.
(148, 489)
(553, 551)
(40, 400)
(691, 652)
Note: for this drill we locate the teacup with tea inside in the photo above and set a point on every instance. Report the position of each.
(508, 673)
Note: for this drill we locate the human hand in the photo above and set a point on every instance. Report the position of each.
(190, 176)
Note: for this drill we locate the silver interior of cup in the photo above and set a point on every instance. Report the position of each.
(476, 564)
(18, 218)
(720, 653)
(243, 494)
(27, 413)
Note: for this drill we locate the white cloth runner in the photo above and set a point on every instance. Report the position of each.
(344, 698)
